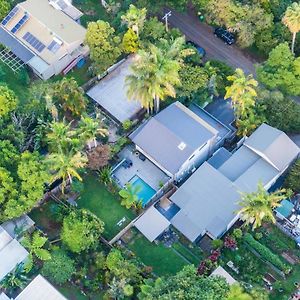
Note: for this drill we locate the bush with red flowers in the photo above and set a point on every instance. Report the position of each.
(230, 242)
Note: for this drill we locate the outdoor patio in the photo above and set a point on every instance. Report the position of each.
(140, 166)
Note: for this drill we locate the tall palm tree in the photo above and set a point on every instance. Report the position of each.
(59, 135)
(89, 129)
(258, 206)
(35, 245)
(242, 91)
(135, 18)
(291, 19)
(154, 77)
(65, 166)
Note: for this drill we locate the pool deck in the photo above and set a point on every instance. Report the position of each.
(146, 170)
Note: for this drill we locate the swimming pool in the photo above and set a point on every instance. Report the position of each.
(146, 192)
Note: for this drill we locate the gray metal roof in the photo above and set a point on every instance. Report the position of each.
(11, 253)
(273, 145)
(219, 157)
(15, 46)
(152, 223)
(161, 136)
(205, 197)
(39, 289)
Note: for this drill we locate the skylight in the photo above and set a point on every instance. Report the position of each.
(182, 146)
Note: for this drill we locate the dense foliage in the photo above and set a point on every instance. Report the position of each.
(186, 284)
(81, 230)
(265, 252)
(292, 180)
(60, 268)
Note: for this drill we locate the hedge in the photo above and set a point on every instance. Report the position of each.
(265, 252)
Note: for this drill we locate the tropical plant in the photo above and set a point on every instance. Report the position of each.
(135, 18)
(98, 157)
(292, 180)
(60, 268)
(154, 76)
(65, 166)
(105, 175)
(89, 128)
(130, 43)
(242, 92)
(236, 292)
(15, 279)
(81, 230)
(258, 206)
(8, 100)
(130, 196)
(34, 244)
(291, 19)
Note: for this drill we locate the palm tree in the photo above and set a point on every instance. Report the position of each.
(65, 166)
(89, 129)
(249, 123)
(154, 77)
(15, 279)
(129, 195)
(258, 206)
(242, 92)
(135, 18)
(60, 135)
(291, 19)
(34, 245)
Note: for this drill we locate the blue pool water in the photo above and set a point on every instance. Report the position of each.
(146, 192)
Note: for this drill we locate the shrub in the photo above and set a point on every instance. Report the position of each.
(230, 242)
(258, 235)
(217, 244)
(237, 233)
(292, 181)
(60, 268)
(127, 124)
(265, 253)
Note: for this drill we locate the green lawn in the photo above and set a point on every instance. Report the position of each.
(187, 253)
(92, 9)
(14, 82)
(105, 205)
(163, 260)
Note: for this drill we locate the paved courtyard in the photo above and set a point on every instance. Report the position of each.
(145, 169)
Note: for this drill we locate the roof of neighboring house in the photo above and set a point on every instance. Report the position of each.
(111, 92)
(152, 223)
(220, 271)
(286, 208)
(207, 202)
(268, 142)
(19, 225)
(3, 297)
(11, 253)
(178, 133)
(45, 25)
(208, 199)
(39, 288)
(219, 157)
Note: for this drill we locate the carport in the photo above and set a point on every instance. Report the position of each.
(111, 93)
(152, 224)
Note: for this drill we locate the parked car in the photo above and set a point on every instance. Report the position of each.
(199, 49)
(225, 35)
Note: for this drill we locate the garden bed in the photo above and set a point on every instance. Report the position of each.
(105, 205)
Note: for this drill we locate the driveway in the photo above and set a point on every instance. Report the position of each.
(202, 34)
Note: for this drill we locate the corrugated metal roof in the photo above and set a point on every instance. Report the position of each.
(152, 223)
(273, 145)
(40, 289)
(177, 132)
(15, 46)
(205, 196)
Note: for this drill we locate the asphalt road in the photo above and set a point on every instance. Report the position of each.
(202, 34)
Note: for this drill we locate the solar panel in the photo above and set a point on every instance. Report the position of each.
(54, 46)
(21, 22)
(10, 15)
(34, 42)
